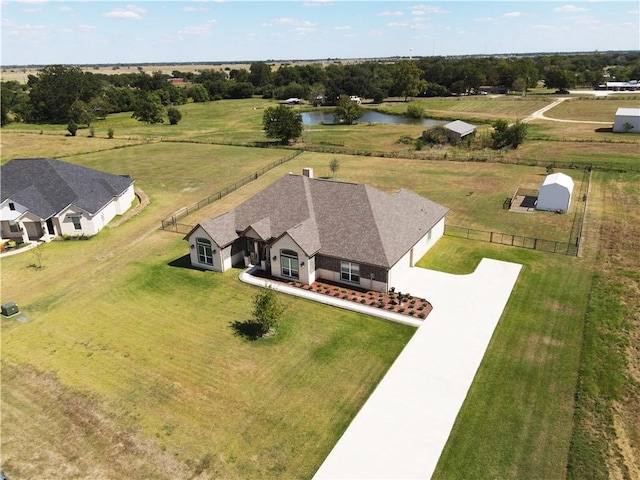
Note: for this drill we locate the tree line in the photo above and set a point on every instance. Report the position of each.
(59, 94)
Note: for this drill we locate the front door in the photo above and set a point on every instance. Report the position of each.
(252, 250)
(50, 229)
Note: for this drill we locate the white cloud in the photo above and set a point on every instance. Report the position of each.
(131, 12)
(196, 30)
(25, 31)
(512, 15)
(85, 28)
(398, 24)
(569, 9)
(317, 3)
(396, 13)
(289, 22)
(342, 27)
(425, 9)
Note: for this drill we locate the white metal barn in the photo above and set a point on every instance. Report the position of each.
(627, 120)
(555, 193)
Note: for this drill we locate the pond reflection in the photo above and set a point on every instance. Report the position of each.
(369, 116)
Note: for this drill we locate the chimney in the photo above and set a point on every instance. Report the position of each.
(307, 172)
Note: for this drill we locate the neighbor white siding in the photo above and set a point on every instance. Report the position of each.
(624, 116)
(555, 193)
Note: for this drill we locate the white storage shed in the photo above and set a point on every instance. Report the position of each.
(555, 193)
(627, 120)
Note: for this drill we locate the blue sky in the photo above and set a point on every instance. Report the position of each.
(137, 31)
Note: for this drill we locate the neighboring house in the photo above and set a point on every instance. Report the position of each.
(307, 229)
(458, 131)
(43, 198)
(555, 193)
(627, 120)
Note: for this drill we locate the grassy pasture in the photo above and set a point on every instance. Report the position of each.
(150, 368)
(517, 418)
(598, 109)
(479, 107)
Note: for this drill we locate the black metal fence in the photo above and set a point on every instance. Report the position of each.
(510, 239)
(171, 223)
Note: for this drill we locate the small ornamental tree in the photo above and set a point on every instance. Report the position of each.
(174, 115)
(266, 310)
(72, 127)
(347, 110)
(334, 165)
(282, 122)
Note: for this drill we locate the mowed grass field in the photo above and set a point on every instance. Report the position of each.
(129, 356)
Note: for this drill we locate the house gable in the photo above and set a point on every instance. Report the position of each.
(46, 186)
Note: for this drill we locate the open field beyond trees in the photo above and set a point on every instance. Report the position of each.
(127, 365)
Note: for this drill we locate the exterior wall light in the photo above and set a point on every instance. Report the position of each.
(275, 258)
(192, 247)
(302, 264)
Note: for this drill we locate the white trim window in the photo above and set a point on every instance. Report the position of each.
(350, 272)
(289, 263)
(205, 255)
(76, 222)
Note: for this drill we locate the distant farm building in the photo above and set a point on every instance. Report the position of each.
(458, 131)
(627, 120)
(630, 86)
(555, 192)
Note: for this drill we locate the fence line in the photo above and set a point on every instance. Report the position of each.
(513, 240)
(171, 222)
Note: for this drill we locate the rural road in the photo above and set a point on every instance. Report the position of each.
(540, 114)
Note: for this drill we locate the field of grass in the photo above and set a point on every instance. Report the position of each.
(509, 426)
(129, 356)
(479, 107)
(596, 109)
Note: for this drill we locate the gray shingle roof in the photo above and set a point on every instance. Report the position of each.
(46, 186)
(338, 219)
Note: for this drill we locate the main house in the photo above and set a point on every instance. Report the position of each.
(308, 229)
(43, 198)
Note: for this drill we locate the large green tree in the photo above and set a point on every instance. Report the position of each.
(260, 74)
(406, 80)
(282, 122)
(56, 88)
(148, 108)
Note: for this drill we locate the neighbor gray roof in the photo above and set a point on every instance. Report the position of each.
(460, 127)
(46, 186)
(338, 219)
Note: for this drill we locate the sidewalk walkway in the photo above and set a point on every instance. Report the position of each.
(402, 429)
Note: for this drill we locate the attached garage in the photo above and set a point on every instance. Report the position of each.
(627, 120)
(555, 193)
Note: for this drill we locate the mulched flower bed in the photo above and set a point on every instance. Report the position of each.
(398, 302)
(410, 305)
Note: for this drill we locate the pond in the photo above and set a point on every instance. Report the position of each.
(369, 116)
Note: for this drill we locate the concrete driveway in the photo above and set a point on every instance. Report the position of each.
(401, 430)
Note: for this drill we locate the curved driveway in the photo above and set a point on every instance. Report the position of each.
(402, 428)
